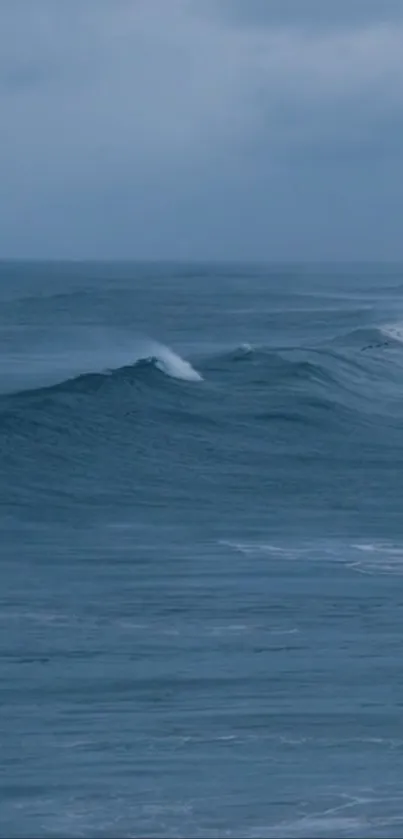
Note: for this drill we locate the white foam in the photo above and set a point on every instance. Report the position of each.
(380, 558)
(259, 548)
(316, 826)
(368, 547)
(246, 348)
(380, 548)
(173, 365)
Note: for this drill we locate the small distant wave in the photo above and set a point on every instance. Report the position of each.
(274, 366)
(393, 331)
(376, 337)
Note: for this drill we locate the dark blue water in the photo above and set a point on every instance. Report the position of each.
(201, 490)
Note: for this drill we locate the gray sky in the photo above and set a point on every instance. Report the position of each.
(239, 129)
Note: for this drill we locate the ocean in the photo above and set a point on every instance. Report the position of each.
(201, 522)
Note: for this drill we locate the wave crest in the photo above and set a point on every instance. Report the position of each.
(173, 365)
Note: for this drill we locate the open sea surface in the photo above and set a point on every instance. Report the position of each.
(201, 538)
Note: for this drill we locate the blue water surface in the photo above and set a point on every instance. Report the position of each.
(201, 520)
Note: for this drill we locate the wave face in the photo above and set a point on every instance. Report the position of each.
(202, 538)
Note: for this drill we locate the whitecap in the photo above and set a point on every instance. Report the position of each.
(173, 364)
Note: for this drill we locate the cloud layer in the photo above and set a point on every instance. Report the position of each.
(189, 130)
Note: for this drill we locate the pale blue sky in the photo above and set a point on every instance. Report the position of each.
(239, 129)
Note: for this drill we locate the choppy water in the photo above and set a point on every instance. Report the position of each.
(201, 492)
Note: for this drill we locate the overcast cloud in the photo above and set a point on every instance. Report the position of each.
(240, 129)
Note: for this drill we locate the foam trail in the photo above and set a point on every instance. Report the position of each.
(173, 365)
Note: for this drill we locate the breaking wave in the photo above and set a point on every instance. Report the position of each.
(60, 370)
